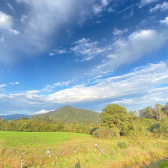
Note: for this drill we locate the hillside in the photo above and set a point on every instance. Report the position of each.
(69, 114)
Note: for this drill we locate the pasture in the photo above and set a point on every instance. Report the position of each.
(74, 150)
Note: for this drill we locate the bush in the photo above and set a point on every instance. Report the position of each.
(105, 133)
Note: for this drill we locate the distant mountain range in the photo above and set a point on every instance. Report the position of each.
(67, 114)
(15, 116)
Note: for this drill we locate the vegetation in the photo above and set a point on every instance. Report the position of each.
(49, 150)
(68, 114)
(123, 139)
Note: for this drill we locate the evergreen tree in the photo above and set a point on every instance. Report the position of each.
(114, 115)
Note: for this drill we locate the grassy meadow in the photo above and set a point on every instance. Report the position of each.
(73, 150)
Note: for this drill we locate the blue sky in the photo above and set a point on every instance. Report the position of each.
(82, 53)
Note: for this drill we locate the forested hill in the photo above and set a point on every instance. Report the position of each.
(70, 114)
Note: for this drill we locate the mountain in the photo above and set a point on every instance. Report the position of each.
(15, 116)
(70, 114)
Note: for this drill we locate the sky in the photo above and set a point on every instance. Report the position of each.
(86, 54)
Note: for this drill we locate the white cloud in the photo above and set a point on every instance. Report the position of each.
(101, 7)
(87, 48)
(130, 49)
(6, 23)
(164, 21)
(46, 18)
(162, 7)
(23, 18)
(146, 2)
(105, 2)
(97, 9)
(3, 85)
(152, 97)
(14, 83)
(126, 16)
(42, 112)
(127, 8)
(139, 81)
(50, 88)
(119, 32)
(10, 7)
(147, 20)
(142, 83)
(111, 10)
(55, 52)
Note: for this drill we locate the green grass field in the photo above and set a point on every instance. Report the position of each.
(73, 150)
(35, 139)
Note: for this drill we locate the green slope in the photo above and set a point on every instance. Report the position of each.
(69, 114)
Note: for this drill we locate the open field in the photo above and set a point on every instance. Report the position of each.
(73, 150)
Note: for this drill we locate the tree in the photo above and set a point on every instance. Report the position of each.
(24, 118)
(46, 119)
(35, 118)
(113, 115)
(133, 113)
(165, 109)
(159, 114)
(147, 112)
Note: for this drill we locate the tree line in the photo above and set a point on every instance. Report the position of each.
(116, 122)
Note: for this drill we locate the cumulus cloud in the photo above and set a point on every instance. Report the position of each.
(164, 21)
(146, 2)
(6, 23)
(162, 7)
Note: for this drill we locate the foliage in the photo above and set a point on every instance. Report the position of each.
(69, 114)
(114, 115)
(160, 128)
(158, 112)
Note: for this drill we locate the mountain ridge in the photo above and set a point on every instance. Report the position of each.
(14, 116)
